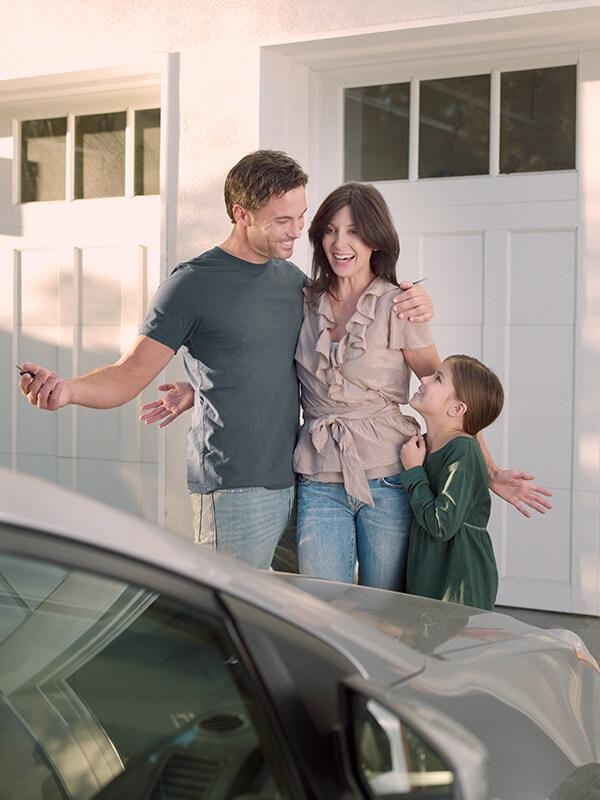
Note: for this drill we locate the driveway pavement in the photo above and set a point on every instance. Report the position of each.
(588, 627)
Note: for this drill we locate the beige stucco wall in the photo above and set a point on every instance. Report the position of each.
(218, 41)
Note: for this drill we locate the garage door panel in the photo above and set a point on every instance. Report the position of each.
(534, 551)
(540, 401)
(451, 339)
(45, 284)
(454, 266)
(542, 279)
(125, 485)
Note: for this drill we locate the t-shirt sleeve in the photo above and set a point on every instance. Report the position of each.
(175, 310)
(405, 335)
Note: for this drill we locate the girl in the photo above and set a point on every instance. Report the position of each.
(450, 553)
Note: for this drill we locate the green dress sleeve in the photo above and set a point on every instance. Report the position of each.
(441, 515)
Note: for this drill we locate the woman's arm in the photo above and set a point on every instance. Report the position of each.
(423, 361)
(511, 485)
(515, 487)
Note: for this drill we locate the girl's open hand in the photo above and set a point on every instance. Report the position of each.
(412, 453)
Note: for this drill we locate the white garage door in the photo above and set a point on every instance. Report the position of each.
(79, 240)
(479, 167)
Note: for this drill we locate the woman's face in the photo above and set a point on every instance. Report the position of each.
(347, 253)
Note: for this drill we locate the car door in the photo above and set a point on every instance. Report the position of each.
(119, 680)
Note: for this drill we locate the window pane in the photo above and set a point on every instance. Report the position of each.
(43, 159)
(147, 151)
(393, 759)
(454, 127)
(376, 132)
(100, 155)
(537, 119)
(107, 684)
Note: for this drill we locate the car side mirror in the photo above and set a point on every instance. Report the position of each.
(405, 749)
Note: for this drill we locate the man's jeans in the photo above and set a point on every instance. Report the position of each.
(244, 523)
(335, 529)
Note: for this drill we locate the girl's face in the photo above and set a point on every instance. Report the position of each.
(436, 392)
(347, 253)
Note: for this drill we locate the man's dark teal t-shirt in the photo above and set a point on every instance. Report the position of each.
(239, 323)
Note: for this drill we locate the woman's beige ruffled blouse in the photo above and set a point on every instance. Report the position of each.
(352, 390)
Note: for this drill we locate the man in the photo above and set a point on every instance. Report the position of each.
(237, 309)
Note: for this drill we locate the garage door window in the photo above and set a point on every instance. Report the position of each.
(537, 120)
(377, 114)
(100, 155)
(451, 127)
(86, 156)
(454, 127)
(43, 159)
(147, 151)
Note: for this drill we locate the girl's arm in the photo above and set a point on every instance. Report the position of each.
(442, 515)
(178, 397)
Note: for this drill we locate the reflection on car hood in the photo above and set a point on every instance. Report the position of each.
(431, 627)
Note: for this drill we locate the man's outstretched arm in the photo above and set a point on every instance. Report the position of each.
(106, 387)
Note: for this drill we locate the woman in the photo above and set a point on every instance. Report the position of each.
(354, 360)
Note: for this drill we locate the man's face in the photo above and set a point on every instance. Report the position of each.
(273, 229)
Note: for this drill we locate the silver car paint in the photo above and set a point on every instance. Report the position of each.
(530, 696)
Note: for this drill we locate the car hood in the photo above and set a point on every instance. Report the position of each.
(482, 663)
(431, 627)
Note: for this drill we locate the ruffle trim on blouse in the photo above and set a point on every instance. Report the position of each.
(353, 344)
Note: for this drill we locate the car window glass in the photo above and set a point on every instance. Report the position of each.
(394, 760)
(109, 690)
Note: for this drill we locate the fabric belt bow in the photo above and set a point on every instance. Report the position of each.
(355, 480)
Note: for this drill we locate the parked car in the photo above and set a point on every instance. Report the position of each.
(134, 664)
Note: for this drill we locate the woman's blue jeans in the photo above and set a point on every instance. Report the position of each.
(335, 530)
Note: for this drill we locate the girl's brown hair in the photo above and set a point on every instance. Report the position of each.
(479, 388)
(373, 223)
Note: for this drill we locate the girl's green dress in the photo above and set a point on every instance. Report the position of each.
(450, 555)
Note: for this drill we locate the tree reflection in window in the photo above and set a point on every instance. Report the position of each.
(43, 159)
(454, 127)
(537, 122)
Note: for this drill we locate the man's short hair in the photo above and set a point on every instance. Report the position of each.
(258, 177)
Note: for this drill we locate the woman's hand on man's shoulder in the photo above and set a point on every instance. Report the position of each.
(413, 303)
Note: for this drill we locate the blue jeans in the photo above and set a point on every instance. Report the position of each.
(244, 523)
(335, 529)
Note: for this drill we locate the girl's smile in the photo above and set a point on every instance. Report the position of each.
(435, 392)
